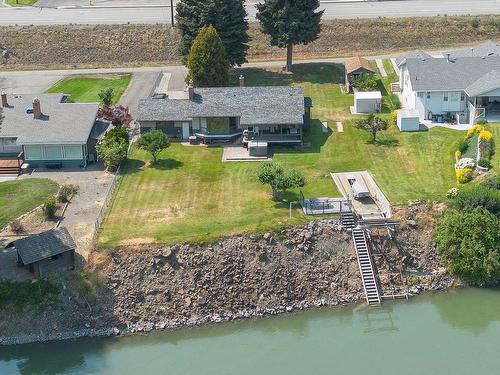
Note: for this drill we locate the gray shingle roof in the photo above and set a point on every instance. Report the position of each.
(69, 123)
(488, 48)
(440, 74)
(254, 105)
(44, 245)
(417, 54)
(490, 81)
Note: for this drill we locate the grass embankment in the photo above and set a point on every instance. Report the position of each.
(130, 45)
(85, 88)
(20, 196)
(192, 196)
(26, 293)
(20, 3)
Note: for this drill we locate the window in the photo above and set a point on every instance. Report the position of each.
(462, 97)
(428, 95)
(445, 97)
(33, 152)
(73, 152)
(53, 152)
(420, 94)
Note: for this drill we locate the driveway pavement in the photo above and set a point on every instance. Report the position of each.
(82, 212)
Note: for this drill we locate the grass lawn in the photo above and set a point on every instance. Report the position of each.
(192, 196)
(85, 89)
(19, 196)
(20, 3)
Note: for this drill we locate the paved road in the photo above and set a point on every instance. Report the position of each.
(371, 9)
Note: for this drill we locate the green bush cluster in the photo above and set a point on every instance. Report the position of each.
(366, 82)
(49, 208)
(113, 148)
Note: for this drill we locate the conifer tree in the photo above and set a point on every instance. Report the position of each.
(290, 22)
(207, 62)
(228, 17)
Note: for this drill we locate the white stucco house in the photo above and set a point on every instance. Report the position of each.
(461, 87)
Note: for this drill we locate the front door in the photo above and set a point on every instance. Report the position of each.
(185, 130)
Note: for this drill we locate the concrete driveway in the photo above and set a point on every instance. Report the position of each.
(82, 212)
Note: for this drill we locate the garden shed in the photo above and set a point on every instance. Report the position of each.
(367, 101)
(46, 252)
(408, 120)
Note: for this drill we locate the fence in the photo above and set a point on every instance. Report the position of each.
(321, 206)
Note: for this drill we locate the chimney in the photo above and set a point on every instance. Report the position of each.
(191, 90)
(4, 100)
(242, 80)
(37, 111)
(448, 57)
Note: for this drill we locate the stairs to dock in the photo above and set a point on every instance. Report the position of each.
(366, 269)
(348, 220)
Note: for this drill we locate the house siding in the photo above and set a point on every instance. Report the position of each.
(38, 156)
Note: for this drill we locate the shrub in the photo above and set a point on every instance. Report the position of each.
(394, 117)
(112, 152)
(475, 129)
(16, 226)
(366, 82)
(462, 145)
(482, 121)
(106, 96)
(464, 175)
(458, 154)
(452, 193)
(117, 133)
(492, 182)
(66, 192)
(485, 163)
(49, 208)
(481, 196)
(470, 242)
(475, 23)
(485, 135)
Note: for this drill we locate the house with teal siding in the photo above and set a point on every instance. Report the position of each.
(46, 131)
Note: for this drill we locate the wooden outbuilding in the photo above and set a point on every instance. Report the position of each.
(46, 252)
(354, 67)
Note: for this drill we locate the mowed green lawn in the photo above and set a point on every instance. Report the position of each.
(20, 3)
(86, 88)
(20, 196)
(192, 196)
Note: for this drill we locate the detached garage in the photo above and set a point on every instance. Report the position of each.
(408, 120)
(367, 101)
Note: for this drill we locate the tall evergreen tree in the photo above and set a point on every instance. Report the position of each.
(207, 62)
(290, 22)
(227, 16)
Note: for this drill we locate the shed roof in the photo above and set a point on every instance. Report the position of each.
(356, 63)
(253, 105)
(44, 245)
(69, 123)
(367, 95)
(438, 74)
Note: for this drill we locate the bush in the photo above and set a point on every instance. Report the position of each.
(480, 196)
(66, 192)
(452, 193)
(492, 182)
(475, 129)
(485, 163)
(106, 96)
(394, 117)
(464, 175)
(49, 208)
(475, 23)
(462, 145)
(485, 135)
(117, 133)
(482, 122)
(366, 82)
(470, 242)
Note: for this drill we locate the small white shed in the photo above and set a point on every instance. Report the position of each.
(367, 101)
(408, 120)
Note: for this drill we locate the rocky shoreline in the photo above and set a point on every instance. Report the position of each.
(154, 288)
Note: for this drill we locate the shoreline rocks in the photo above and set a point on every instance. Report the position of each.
(169, 287)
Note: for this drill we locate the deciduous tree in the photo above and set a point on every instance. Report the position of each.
(273, 174)
(373, 125)
(290, 22)
(227, 16)
(106, 96)
(207, 62)
(154, 142)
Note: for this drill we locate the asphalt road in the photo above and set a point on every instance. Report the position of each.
(333, 10)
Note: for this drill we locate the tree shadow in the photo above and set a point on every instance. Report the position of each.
(387, 142)
(307, 72)
(286, 198)
(167, 164)
(131, 166)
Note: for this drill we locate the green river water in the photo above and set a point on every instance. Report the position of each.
(454, 332)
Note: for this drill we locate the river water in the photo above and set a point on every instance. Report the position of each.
(454, 332)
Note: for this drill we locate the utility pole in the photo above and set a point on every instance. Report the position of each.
(172, 11)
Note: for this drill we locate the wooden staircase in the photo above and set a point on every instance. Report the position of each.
(10, 167)
(366, 269)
